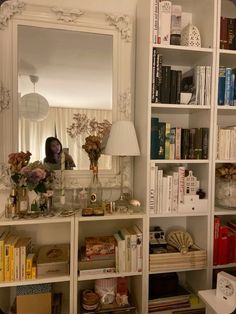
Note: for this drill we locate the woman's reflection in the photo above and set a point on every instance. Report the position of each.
(53, 149)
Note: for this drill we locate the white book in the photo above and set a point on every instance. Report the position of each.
(121, 253)
(197, 84)
(165, 21)
(227, 144)
(207, 101)
(175, 189)
(169, 193)
(159, 190)
(202, 84)
(152, 188)
(133, 249)
(156, 22)
(156, 190)
(181, 172)
(233, 143)
(139, 247)
(165, 195)
(124, 233)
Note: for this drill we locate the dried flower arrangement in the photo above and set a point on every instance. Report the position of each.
(226, 172)
(97, 132)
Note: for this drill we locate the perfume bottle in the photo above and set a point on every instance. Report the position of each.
(12, 201)
(23, 201)
(95, 190)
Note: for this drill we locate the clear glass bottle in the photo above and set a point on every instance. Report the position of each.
(13, 201)
(23, 201)
(95, 190)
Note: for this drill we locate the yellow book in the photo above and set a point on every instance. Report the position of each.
(12, 257)
(3, 238)
(29, 264)
(8, 257)
(34, 272)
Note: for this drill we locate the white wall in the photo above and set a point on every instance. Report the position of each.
(114, 6)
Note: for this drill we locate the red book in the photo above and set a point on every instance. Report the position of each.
(232, 225)
(231, 245)
(223, 245)
(224, 33)
(216, 239)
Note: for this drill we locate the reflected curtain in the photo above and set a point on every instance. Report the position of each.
(33, 134)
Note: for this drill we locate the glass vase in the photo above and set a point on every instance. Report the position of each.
(22, 200)
(95, 189)
(225, 193)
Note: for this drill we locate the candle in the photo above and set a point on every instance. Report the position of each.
(62, 177)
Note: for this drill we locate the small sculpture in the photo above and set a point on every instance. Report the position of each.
(190, 36)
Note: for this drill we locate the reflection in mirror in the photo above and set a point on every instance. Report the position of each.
(62, 73)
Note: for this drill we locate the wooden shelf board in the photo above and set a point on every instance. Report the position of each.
(231, 265)
(183, 48)
(225, 161)
(108, 275)
(223, 108)
(190, 214)
(227, 51)
(176, 270)
(180, 106)
(114, 216)
(180, 161)
(40, 220)
(35, 281)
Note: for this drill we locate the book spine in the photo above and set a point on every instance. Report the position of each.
(29, 264)
(205, 142)
(178, 86)
(208, 86)
(152, 189)
(228, 74)
(1, 260)
(12, 263)
(232, 84)
(159, 190)
(185, 144)
(22, 262)
(165, 21)
(202, 84)
(156, 37)
(133, 251)
(154, 69)
(154, 137)
(192, 134)
(167, 141)
(139, 248)
(224, 33)
(181, 173)
(169, 193)
(157, 79)
(165, 195)
(197, 84)
(17, 263)
(221, 86)
(178, 144)
(7, 263)
(175, 30)
(231, 33)
(161, 140)
(172, 143)
(175, 192)
(223, 246)
(165, 85)
(216, 240)
(173, 86)
(198, 144)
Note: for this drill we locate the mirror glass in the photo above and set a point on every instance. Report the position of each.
(62, 73)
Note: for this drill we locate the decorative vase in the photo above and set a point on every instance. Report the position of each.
(190, 36)
(225, 193)
(95, 189)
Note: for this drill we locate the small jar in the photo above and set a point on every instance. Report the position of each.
(90, 300)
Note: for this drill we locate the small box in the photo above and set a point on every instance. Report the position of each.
(192, 203)
(34, 303)
(100, 246)
(53, 260)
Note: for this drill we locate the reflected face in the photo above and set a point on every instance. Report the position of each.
(55, 147)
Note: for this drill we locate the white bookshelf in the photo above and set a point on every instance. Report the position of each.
(185, 116)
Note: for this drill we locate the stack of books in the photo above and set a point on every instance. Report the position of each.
(226, 88)
(224, 242)
(121, 252)
(17, 262)
(227, 33)
(168, 303)
(177, 143)
(226, 144)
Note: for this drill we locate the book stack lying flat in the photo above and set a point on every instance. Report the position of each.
(168, 303)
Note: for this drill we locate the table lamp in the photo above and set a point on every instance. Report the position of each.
(122, 142)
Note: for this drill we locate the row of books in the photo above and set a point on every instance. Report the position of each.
(178, 143)
(226, 143)
(224, 242)
(227, 33)
(166, 22)
(16, 259)
(121, 252)
(226, 87)
(168, 190)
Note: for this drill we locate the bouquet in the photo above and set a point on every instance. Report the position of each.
(35, 176)
(97, 132)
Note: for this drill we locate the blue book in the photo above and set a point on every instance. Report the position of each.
(154, 136)
(228, 75)
(221, 87)
(232, 84)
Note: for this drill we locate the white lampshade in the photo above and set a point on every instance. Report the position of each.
(34, 107)
(122, 140)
